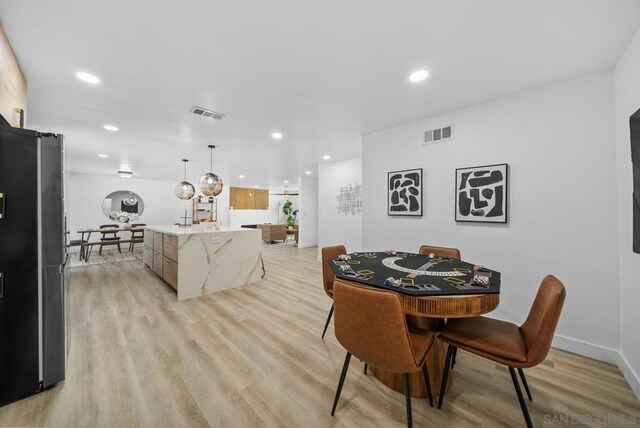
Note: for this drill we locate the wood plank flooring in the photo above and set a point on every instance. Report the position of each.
(252, 356)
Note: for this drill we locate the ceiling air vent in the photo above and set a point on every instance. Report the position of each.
(206, 113)
(437, 135)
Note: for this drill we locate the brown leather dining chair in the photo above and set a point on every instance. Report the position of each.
(517, 347)
(370, 324)
(109, 238)
(328, 254)
(451, 253)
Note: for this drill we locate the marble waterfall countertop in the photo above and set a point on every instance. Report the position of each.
(196, 228)
(210, 260)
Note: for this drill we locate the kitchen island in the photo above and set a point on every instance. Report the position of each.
(200, 260)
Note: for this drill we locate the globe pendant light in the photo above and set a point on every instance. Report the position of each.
(185, 190)
(210, 183)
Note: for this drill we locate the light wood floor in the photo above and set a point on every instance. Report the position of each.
(252, 356)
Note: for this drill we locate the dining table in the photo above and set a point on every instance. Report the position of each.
(432, 289)
(85, 237)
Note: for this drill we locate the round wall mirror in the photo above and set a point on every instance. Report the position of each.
(123, 206)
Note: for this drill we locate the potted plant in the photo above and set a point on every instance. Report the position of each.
(291, 214)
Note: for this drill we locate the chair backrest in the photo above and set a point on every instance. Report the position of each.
(540, 325)
(328, 254)
(452, 253)
(371, 325)
(138, 225)
(109, 226)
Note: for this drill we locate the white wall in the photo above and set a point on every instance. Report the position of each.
(308, 215)
(161, 206)
(557, 141)
(627, 102)
(335, 228)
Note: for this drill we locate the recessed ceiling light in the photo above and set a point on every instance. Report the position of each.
(111, 128)
(307, 172)
(241, 176)
(418, 76)
(276, 135)
(256, 186)
(286, 181)
(86, 77)
(103, 156)
(326, 157)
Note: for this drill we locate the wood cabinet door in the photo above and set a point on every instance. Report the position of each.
(157, 242)
(170, 272)
(170, 246)
(148, 239)
(157, 263)
(148, 257)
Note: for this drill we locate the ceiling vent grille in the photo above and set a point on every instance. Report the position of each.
(206, 113)
(437, 135)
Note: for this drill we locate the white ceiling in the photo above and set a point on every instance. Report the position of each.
(321, 72)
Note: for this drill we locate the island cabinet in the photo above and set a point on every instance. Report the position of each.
(161, 256)
(200, 260)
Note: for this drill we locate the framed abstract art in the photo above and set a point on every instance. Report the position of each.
(404, 193)
(482, 193)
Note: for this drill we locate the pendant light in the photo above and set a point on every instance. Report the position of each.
(185, 190)
(210, 183)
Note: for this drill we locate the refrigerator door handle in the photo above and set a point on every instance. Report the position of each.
(3, 205)
(1, 285)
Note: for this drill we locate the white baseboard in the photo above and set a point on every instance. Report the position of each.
(307, 244)
(587, 349)
(601, 353)
(629, 373)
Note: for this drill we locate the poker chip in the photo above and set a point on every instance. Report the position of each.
(392, 282)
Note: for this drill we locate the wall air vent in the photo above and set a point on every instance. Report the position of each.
(437, 135)
(206, 113)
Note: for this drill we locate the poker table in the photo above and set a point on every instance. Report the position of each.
(431, 289)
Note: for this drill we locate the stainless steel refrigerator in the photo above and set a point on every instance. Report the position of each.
(33, 255)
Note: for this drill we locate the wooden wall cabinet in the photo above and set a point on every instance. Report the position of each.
(13, 86)
(241, 198)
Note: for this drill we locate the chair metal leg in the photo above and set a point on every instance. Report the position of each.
(453, 358)
(407, 394)
(264, 272)
(119, 249)
(427, 382)
(328, 319)
(100, 250)
(523, 404)
(87, 254)
(524, 382)
(447, 364)
(345, 368)
(365, 368)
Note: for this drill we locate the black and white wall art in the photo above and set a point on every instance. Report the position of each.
(481, 193)
(404, 193)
